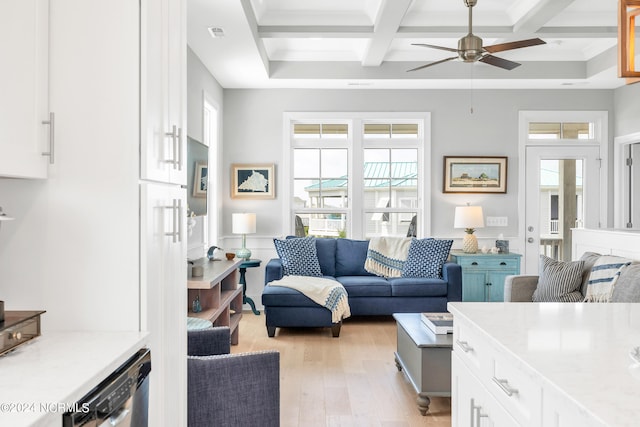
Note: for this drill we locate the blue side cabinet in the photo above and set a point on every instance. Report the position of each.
(483, 274)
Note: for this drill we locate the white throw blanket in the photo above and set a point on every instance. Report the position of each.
(603, 277)
(325, 292)
(386, 256)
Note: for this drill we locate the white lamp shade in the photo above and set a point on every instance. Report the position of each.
(468, 217)
(243, 223)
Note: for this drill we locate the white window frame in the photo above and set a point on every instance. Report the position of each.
(355, 144)
(600, 119)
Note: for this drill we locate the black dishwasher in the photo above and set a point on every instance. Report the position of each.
(121, 400)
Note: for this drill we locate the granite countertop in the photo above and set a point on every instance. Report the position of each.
(582, 350)
(59, 368)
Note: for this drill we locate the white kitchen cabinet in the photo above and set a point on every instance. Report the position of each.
(472, 404)
(163, 146)
(24, 103)
(163, 278)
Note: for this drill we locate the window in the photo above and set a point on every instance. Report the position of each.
(567, 131)
(355, 175)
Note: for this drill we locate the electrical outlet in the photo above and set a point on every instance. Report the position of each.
(497, 221)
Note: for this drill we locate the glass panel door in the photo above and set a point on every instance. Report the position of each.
(562, 192)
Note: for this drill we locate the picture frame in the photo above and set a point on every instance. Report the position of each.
(253, 181)
(475, 174)
(200, 180)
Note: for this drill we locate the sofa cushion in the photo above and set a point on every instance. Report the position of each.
(589, 259)
(426, 258)
(417, 287)
(559, 281)
(299, 256)
(350, 257)
(365, 286)
(279, 296)
(627, 288)
(326, 249)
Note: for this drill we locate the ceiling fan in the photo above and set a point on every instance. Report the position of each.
(470, 48)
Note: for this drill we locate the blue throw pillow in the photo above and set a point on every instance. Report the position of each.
(426, 258)
(299, 256)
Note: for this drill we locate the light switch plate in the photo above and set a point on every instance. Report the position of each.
(497, 221)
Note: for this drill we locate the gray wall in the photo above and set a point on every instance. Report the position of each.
(627, 108)
(253, 133)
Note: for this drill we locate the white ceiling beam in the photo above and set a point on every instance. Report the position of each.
(315, 31)
(398, 70)
(539, 15)
(386, 26)
(346, 32)
(253, 26)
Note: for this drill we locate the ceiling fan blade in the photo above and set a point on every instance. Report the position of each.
(513, 45)
(499, 62)
(432, 63)
(432, 46)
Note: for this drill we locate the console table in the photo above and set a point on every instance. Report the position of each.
(220, 296)
(249, 263)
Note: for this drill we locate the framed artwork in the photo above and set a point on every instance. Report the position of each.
(475, 174)
(200, 179)
(253, 181)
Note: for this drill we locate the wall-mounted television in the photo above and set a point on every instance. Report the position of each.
(197, 176)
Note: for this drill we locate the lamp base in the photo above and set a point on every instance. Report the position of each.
(245, 253)
(470, 244)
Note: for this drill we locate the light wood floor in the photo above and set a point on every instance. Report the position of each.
(347, 381)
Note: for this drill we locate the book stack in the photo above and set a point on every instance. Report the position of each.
(438, 323)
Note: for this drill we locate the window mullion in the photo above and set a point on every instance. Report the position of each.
(356, 180)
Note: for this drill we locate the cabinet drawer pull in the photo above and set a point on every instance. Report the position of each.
(503, 263)
(474, 263)
(504, 385)
(52, 133)
(464, 346)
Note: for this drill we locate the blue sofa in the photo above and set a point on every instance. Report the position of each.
(343, 260)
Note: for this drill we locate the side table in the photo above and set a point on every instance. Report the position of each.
(249, 263)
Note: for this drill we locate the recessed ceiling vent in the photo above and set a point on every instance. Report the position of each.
(216, 32)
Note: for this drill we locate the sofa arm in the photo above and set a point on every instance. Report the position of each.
(273, 270)
(520, 288)
(234, 390)
(208, 342)
(452, 274)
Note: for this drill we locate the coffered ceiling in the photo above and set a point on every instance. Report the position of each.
(369, 43)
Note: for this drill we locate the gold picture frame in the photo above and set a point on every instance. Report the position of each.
(253, 181)
(475, 174)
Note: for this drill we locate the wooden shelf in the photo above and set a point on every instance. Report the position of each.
(220, 295)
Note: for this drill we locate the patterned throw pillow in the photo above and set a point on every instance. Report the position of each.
(559, 281)
(426, 258)
(299, 256)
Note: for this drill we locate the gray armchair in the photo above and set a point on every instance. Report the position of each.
(230, 389)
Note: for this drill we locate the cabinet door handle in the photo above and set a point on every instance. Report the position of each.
(176, 211)
(503, 263)
(176, 146)
(476, 414)
(464, 346)
(52, 133)
(474, 263)
(179, 144)
(504, 386)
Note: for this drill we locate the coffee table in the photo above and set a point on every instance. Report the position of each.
(424, 357)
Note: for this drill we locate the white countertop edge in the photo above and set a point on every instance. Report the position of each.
(59, 367)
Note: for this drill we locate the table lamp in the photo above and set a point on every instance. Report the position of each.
(243, 223)
(469, 218)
